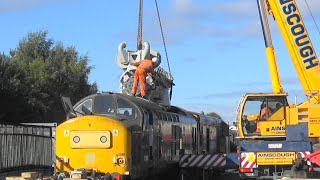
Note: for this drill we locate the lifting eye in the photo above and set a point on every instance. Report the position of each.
(76, 139)
(103, 139)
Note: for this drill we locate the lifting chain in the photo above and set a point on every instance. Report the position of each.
(164, 44)
(163, 41)
(139, 38)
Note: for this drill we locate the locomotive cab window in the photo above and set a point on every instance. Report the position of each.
(103, 105)
(127, 109)
(87, 103)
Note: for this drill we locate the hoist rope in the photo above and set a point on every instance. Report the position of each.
(164, 43)
(312, 16)
(139, 38)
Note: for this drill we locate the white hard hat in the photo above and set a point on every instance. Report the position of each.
(154, 60)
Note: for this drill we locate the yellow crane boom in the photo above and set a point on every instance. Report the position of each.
(297, 41)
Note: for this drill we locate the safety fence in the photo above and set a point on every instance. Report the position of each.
(26, 146)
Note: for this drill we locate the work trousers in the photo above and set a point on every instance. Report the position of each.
(139, 76)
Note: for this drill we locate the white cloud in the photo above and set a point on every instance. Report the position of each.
(15, 5)
(224, 95)
(291, 80)
(314, 6)
(228, 112)
(219, 20)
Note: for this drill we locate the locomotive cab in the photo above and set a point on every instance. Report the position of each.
(108, 104)
(102, 133)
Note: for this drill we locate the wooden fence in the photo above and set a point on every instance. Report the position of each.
(26, 146)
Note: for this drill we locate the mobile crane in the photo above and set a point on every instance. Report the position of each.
(269, 145)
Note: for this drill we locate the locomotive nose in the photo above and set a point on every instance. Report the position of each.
(94, 142)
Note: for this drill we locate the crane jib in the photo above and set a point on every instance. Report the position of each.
(293, 19)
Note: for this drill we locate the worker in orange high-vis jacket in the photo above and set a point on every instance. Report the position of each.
(265, 113)
(144, 67)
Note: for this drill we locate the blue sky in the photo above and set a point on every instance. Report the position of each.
(215, 48)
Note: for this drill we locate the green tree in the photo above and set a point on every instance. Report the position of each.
(36, 74)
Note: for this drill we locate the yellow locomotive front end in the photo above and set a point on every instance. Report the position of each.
(98, 143)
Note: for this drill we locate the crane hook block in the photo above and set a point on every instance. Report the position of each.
(127, 57)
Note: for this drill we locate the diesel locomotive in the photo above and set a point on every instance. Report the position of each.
(120, 136)
(113, 135)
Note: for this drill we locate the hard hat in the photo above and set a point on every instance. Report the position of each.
(154, 60)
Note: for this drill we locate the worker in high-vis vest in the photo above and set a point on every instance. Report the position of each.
(144, 67)
(258, 126)
(264, 115)
(265, 112)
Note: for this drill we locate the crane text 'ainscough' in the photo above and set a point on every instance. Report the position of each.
(293, 19)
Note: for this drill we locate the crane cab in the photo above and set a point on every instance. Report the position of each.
(262, 115)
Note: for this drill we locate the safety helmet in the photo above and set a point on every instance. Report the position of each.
(154, 60)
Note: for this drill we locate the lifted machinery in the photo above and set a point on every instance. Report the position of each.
(269, 145)
(158, 85)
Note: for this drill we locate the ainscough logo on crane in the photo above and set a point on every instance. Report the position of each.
(298, 30)
(277, 155)
(278, 128)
